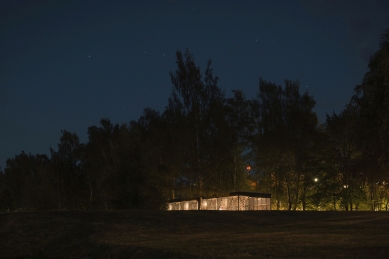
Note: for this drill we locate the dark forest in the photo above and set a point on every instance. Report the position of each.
(205, 144)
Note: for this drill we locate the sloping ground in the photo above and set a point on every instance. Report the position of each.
(194, 234)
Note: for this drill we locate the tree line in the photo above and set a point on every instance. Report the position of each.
(205, 144)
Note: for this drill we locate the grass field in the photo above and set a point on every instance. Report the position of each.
(194, 234)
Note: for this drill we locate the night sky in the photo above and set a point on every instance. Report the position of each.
(67, 64)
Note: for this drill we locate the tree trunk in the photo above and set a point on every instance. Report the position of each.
(173, 193)
(234, 184)
(288, 191)
(297, 191)
(303, 197)
(59, 192)
(90, 190)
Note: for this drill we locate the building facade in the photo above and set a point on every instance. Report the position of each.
(236, 201)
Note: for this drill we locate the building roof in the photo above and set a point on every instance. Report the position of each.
(250, 194)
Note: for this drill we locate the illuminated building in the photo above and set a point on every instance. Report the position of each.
(236, 201)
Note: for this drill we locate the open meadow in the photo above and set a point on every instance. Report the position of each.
(194, 234)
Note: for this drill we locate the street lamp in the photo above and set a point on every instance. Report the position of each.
(252, 178)
(316, 180)
(248, 170)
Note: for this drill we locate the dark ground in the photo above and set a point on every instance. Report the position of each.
(194, 234)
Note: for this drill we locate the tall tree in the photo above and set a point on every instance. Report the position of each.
(196, 101)
(66, 165)
(114, 166)
(161, 159)
(6, 199)
(102, 163)
(286, 126)
(26, 183)
(234, 139)
(342, 160)
(372, 102)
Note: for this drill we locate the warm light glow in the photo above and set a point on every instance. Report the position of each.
(316, 179)
(248, 167)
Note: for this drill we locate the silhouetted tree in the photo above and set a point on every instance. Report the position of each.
(342, 183)
(285, 129)
(66, 164)
(372, 130)
(27, 184)
(200, 109)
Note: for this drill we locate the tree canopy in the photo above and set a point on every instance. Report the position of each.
(207, 144)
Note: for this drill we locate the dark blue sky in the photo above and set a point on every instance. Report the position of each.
(66, 64)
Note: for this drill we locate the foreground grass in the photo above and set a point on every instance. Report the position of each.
(194, 234)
